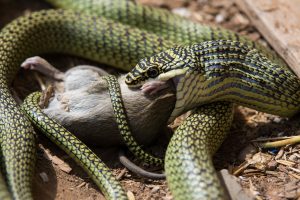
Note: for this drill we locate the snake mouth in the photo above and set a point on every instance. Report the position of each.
(155, 86)
(175, 80)
(136, 86)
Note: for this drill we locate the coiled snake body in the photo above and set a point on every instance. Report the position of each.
(149, 31)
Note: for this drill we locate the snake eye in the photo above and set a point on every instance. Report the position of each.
(152, 72)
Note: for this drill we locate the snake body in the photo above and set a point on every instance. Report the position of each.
(188, 162)
(148, 31)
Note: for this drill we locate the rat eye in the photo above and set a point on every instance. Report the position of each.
(152, 72)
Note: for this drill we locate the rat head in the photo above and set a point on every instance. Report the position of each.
(162, 66)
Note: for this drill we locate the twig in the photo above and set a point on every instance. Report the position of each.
(291, 140)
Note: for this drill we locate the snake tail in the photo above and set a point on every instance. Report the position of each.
(137, 169)
(89, 161)
(188, 158)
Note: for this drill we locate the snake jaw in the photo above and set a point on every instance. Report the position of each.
(164, 80)
(136, 86)
(172, 74)
(155, 86)
(152, 87)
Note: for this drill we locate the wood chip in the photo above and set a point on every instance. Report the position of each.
(163, 3)
(60, 163)
(238, 170)
(47, 94)
(65, 167)
(221, 4)
(210, 10)
(240, 20)
(235, 191)
(278, 22)
(168, 197)
(219, 18)
(268, 5)
(179, 120)
(121, 174)
(272, 165)
(81, 185)
(155, 189)
(44, 177)
(184, 12)
(254, 36)
(294, 175)
(46, 154)
(56, 160)
(294, 169)
(253, 189)
(286, 163)
(130, 195)
(197, 16)
(252, 171)
(260, 160)
(279, 154)
(254, 174)
(272, 173)
(293, 157)
(156, 3)
(290, 190)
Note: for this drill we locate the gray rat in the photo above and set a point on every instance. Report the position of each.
(84, 105)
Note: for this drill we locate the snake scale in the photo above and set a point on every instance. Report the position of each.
(140, 32)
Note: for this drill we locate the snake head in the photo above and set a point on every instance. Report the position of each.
(146, 69)
(161, 67)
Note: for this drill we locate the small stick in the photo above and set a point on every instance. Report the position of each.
(272, 138)
(291, 140)
(122, 173)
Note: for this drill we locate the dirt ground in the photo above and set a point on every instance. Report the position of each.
(267, 174)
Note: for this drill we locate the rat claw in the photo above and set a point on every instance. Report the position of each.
(41, 65)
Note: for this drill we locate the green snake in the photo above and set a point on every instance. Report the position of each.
(212, 71)
(144, 32)
(221, 70)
